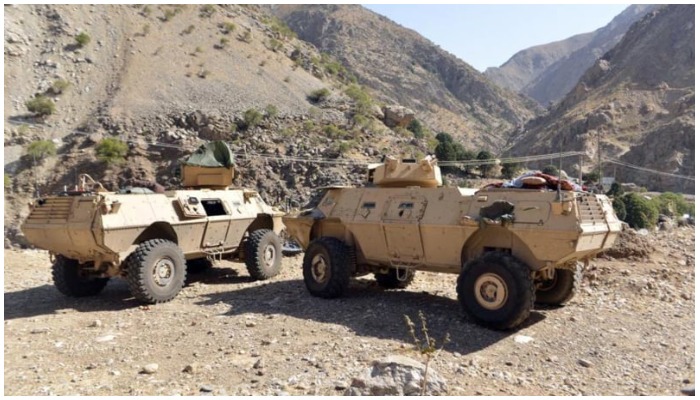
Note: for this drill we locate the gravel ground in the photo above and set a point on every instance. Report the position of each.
(630, 331)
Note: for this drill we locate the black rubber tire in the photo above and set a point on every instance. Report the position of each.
(141, 269)
(390, 281)
(263, 254)
(562, 288)
(519, 290)
(198, 265)
(67, 279)
(336, 276)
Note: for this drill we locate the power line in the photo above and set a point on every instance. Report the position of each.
(503, 160)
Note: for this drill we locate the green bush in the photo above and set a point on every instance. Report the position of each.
(363, 101)
(39, 149)
(59, 86)
(281, 29)
(485, 168)
(673, 204)
(319, 95)
(207, 10)
(252, 118)
(271, 111)
(417, 129)
(227, 27)
(344, 147)
(615, 190)
(41, 105)
(111, 150)
(188, 30)
(619, 207)
(8, 180)
(333, 132)
(274, 44)
(82, 39)
(639, 212)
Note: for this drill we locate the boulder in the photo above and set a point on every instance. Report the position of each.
(397, 375)
(398, 116)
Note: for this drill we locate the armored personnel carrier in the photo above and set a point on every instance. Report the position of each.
(151, 239)
(509, 247)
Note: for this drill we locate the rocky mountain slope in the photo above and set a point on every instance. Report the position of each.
(639, 97)
(547, 72)
(167, 78)
(403, 67)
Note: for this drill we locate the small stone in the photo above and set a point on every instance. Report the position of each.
(689, 390)
(106, 338)
(96, 324)
(584, 363)
(150, 369)
(523, 339)
(191, 369)
(39, 330)
(115, 373)
(250, 324)
(206, 388)
(340, 385)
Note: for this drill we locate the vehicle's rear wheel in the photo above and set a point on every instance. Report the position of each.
(326, 268)
(198, 265)
(156, 271)
(560, 289)
(69, 281)
(496, 290)
(263, 254)
(395, 279)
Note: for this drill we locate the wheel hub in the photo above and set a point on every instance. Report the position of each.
(163, 272)
(490, 291)
(269, 255)
(319, 268)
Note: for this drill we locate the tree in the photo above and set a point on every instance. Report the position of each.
(640, 212)
(550, 170)
(485, 168)
(444, 137)
(445, 151)
(417, 129)
(508, 170)
(591, 177)
(615, 190)
(619, 208)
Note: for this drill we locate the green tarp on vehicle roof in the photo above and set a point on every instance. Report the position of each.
(212, 154)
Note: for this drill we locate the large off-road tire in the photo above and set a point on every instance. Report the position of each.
(496, 290)
(68, 280)
(198, 265)
(562, 288)
(327, 267)
(156, 271)
(263, 254)
(391, 281)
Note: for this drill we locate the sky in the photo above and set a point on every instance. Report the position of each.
(488, 35)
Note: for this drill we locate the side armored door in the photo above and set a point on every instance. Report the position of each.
(218, 221)
(401, 228)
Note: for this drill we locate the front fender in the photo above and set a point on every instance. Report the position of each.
(299, 227)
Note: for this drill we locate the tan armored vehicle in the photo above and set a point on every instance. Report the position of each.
(151, 239)
(510, 247)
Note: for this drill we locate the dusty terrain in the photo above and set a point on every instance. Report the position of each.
(630, 331)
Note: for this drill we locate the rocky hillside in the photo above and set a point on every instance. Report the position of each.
(639, 97)
(547, 72)
(402, 67)
(164, 79)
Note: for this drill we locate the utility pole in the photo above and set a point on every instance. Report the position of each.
(600, 169)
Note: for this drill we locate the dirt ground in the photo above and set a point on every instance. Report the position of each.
(630, 331)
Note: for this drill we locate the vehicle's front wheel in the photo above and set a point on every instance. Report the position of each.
(326, 268)
(496, 290)
(263, 254)
(156, 271)
(561, 288)
(69, 281)
(395, 279)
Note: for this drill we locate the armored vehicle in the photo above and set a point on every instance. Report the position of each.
(509, 246)
(151, 239)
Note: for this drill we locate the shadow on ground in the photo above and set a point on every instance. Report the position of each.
(368, 311)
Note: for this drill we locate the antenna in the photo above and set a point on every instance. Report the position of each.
(559, 180)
